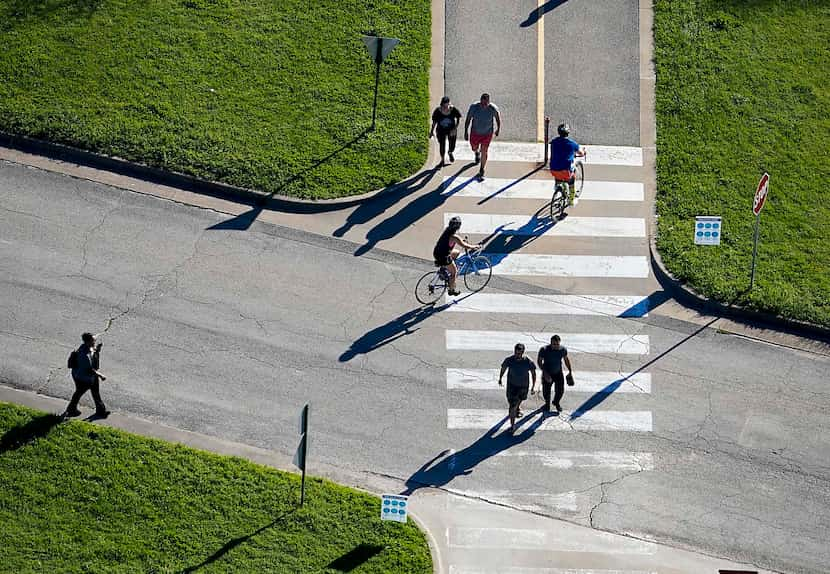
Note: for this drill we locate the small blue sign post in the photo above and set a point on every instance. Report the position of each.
(394, 507)
(378, 48)
(708, 230)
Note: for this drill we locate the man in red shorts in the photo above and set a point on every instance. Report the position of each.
(482, 115)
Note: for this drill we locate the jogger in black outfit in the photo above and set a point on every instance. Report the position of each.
(550, 362)
(445, 120)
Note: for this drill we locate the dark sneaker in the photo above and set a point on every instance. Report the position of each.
(481, 176)
(102, 413)
(519, 414)
(478, 157)
(558, 408)
(71, 413)
(452, 157)
(454, 293)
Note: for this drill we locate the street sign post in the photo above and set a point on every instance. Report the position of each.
(708, 230)
(302, 450)
(757, 205)
(394, 507)
(378, 49)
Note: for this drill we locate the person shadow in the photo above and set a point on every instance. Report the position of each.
(437, 473)
(536, 15)
(19, 436)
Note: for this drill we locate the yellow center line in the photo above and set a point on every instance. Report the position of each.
(540, 73)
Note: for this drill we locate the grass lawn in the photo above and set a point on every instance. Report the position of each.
(75, 497)
(271, 95)
(742, 88)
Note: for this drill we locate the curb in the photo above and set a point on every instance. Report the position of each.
(687, 296)
(186, 182)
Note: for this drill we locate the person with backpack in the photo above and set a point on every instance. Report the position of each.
(84, 363)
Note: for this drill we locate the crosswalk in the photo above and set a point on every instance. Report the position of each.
(593, 320)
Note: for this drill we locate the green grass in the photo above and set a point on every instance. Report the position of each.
(254, 93)
(742, 88)
(75, 497)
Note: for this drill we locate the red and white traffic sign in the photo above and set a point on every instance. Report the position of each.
(761, 194)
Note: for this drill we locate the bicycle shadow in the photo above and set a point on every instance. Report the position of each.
(393, 330)
(438, 475)
(501, 243)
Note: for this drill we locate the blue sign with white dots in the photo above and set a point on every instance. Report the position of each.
(707, 230)
(393, 507)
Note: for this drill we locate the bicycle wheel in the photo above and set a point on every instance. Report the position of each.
(558, 202)
(477, 273)
(429, 288)
(579, 178)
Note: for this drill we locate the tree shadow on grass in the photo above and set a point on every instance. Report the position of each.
(17, 12)
(20, 436)
(234, 542)
(355, 557)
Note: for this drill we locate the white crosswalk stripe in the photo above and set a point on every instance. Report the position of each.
(539, 189)
(567, 502)
(568, 459)
(593, 420)
(589, 381)
(472, 340)
(535, 152)
(530, 539)
(624, 266)
(517, 303)
(523, 225)
(454, 569)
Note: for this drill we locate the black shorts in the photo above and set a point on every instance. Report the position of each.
(441, 261)
(515, 394)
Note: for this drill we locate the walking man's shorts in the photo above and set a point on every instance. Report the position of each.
(480, 139)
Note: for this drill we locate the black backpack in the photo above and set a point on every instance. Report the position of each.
(72, 361)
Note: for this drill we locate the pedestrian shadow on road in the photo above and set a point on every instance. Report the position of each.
(19, 436)
(408, 215)
(394, 330)
(439, 474)
(600, 396)
(537, 14)
(234, 542)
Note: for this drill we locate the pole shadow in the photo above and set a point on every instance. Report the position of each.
(439, 474)
(234, 542)
(512, 184)
(243, 221)
(19, 436)
(536, 15)
(600, 396)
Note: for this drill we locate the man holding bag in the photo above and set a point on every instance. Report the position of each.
(550, 362)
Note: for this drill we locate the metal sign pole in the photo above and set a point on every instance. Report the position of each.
(754, 250)
(302, 450)
(378, 60)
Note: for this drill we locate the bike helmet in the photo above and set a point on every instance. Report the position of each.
(455, 222)
(564, 129)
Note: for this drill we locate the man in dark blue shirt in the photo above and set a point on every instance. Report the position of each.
(563, 150)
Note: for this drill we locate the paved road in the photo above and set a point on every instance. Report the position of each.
(588, 64)
(717, 443)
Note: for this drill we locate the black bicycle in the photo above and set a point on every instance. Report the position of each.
(473, 266)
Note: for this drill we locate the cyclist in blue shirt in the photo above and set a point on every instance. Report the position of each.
(562, 152)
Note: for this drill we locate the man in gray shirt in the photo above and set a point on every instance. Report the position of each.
(482, 115)
(518, 367)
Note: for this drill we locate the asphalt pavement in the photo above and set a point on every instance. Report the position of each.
(227, 330)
